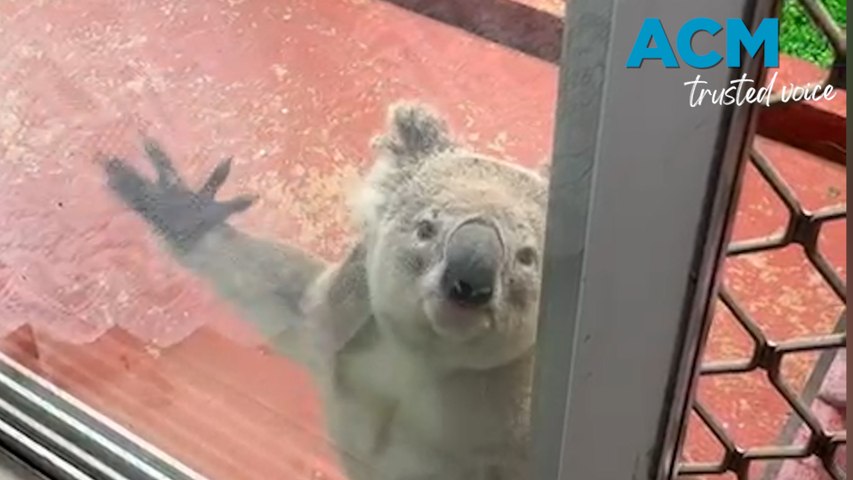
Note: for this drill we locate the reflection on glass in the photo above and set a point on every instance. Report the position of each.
(179, 251)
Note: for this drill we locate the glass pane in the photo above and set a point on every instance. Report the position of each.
(120, 283)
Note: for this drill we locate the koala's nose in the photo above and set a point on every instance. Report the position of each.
(473, 258)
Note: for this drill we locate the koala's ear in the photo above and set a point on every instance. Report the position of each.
(413, 131)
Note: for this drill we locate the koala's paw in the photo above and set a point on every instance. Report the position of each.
(414, 130)
(182, 216)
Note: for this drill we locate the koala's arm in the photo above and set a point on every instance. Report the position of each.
(265, 281)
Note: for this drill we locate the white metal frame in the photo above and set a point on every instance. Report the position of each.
(642, 193)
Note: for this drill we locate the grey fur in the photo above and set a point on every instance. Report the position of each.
(414, 131)
(412, 389)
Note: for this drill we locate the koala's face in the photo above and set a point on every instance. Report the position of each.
(454, 248)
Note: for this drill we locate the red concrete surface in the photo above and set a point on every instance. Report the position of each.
(293, 90)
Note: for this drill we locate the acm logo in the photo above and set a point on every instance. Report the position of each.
(652, 43)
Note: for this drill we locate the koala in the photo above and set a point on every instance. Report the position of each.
(421, 339)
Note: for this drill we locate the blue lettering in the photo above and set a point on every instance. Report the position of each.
(652, 30)
(684, 43)
(767, 34)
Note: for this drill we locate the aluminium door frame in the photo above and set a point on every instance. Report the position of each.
(642, 196)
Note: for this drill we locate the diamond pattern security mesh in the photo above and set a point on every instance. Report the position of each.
(803, 229)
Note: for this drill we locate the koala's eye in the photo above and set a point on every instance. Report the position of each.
(526, 256)
(425, 230)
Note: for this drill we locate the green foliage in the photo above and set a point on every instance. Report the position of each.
(800, 37)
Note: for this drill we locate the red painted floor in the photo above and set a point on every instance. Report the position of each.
(293, 90)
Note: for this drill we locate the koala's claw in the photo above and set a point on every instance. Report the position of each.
(179, 214)
(166, 173)
(216, 179)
